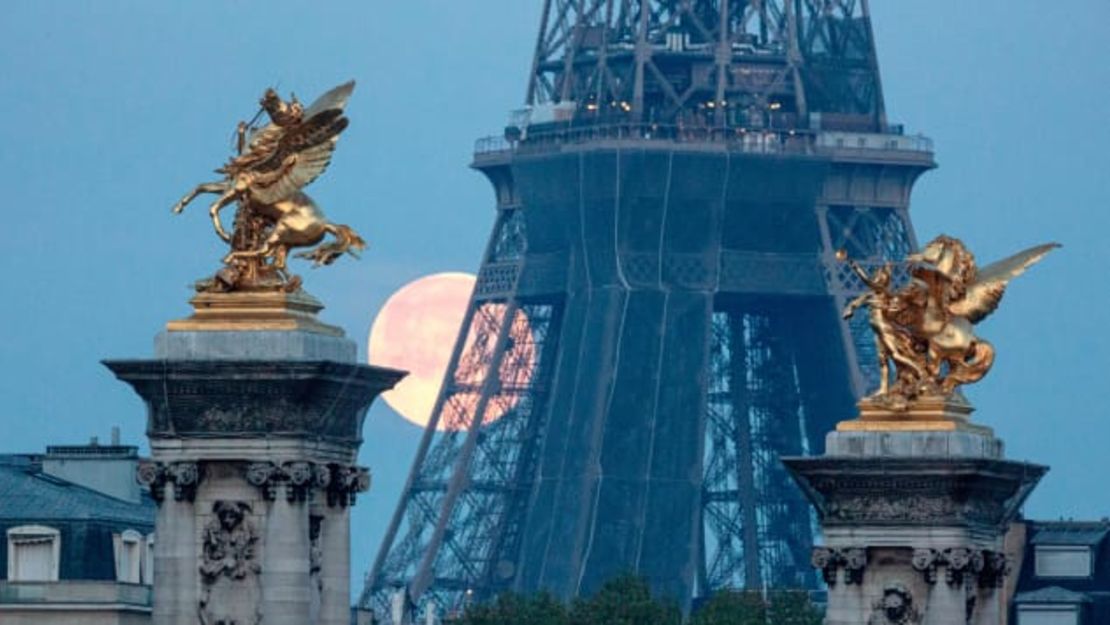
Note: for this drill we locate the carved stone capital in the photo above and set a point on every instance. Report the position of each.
(340, 483)
(185, 476)
(987, 567)
(852, 559)
(996, 566)
(926, 561)
(826, 560)
(346, 483)
(153, 476)
(266, 476)
(958, 561)
(300, 478)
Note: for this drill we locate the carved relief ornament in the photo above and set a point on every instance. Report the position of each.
(229, 569)
(895, 607)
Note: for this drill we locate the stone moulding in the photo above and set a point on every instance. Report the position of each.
(315, 400)
(984, 493)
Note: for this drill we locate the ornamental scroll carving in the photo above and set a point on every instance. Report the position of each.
(852, 559)
(183, 475)
(339, 483)
(961, 564)
(229, 570)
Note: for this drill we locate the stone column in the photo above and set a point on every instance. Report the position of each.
(175, 558)
(946, 600)
(843, 570)
(335, 566)
(928, 499)
(285, 568)
(255, 414)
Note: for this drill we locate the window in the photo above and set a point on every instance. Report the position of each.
(1063, 561)
(1048, 615)
(148, 560)
(33, 552)
(129, 556)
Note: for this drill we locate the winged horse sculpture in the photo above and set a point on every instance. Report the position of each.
(927, 328)
(274, 163)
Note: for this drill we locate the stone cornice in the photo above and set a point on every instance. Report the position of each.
(915, 491)
(319, 400)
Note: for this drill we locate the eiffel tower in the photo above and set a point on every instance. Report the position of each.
(656, 318)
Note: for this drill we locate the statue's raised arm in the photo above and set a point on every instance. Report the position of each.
(274, 163)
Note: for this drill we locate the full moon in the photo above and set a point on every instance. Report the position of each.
(416, 331)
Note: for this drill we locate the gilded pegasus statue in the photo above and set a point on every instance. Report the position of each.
(927, 327)
(274, 163)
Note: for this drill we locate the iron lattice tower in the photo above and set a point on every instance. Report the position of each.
(656, 317)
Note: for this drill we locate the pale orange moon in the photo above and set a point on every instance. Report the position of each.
(416, 331)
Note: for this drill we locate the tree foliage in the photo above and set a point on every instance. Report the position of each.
(627, 600)
(730, 607)
(793, 607)
(746, 607)
(511, 608)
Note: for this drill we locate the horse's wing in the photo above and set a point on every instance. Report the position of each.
(983, 296)
(334, 99)
(304, 151)
(260, 149)
(302, 168)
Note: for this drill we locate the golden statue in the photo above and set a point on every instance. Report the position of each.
(927, 327)
(265, 178)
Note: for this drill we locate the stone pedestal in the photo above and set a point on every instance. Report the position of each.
(254, 435)
(913, 516)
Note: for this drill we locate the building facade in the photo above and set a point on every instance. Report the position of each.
(1064, 574)
(76, 537)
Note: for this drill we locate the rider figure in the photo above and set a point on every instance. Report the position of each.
(892, 342)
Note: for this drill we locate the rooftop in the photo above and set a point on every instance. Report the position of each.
(29, 494)
(1089, 533)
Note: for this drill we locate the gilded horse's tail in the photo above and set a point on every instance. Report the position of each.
(972, 368)
(346, 241)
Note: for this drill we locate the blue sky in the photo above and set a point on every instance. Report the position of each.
(112, 110)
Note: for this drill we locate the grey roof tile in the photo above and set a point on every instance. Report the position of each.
(27, 493)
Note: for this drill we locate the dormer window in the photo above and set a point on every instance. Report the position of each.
(33, 553)
(1063, 561)
(129, 556)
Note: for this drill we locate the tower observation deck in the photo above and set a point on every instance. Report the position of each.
(656, 318)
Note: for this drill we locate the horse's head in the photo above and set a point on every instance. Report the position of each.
(948, 257)
(281, 112)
